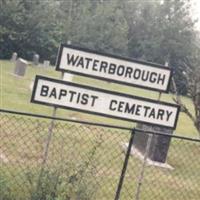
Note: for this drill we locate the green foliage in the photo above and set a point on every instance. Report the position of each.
(71, 180)
(161, 32)
(192, 75)
(28, 27)
(5, 192)
(10, 26)
(158, 31)
(68, 180)
(38, 27)
(95, 25)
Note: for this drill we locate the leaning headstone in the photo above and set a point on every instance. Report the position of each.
(159, 144)
(14, 57)
(36, 59)
(46, 63)
(20, 67)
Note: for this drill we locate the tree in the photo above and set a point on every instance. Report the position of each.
(98, 25)
(11, 18)
(192, 75)
(28, 27)
(160, 32)
(178, 32)
(153, 31)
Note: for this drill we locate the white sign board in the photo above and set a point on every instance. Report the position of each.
(113, 68)
(103, 102)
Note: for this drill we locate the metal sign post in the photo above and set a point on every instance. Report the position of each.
(146, 155)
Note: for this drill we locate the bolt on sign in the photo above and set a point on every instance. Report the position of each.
(102, 102)
(113, 68)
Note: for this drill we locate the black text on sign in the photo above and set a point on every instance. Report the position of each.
(103, 102)
(113, 68)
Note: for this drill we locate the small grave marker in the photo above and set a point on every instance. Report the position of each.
(20, 67)
(36, 59)
(14, 57)
(46, 63)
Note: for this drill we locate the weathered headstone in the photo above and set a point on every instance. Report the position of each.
(159, 144)
(20, 67)
(14, 57)
(46, 63)
(36, 59)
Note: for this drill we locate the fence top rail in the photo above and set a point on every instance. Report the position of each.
(65, 119)
(98, 124)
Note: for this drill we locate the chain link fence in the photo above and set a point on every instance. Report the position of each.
(55, 159)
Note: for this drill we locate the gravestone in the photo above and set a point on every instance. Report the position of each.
(36, 59)
(20, 67)
(46, 63)
(14, 57)
(159, 144)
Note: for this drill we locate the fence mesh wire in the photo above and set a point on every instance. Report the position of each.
(43, 159)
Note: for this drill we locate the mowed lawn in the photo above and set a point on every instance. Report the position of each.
(22, 143)
(74, 146)
(15, 95)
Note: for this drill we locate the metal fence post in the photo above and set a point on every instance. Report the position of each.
(46, 150)
(141, 176)
(121, 180)
(50, 131)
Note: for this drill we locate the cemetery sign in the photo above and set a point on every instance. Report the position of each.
(113, 68)
(102, 102)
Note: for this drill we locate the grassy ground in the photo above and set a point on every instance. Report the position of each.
(15, 94)
(23, 140)
(94, 157)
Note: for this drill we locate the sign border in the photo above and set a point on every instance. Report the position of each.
(38, 77)
(112, 56)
